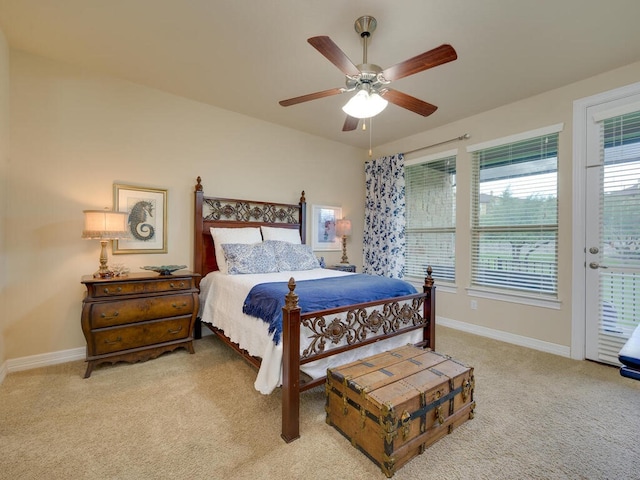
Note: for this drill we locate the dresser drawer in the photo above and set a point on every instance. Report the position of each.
(115, 288)
(141, 334)
(108, 314)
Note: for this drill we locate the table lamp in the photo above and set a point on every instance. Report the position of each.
(343, 229)
(104, 225)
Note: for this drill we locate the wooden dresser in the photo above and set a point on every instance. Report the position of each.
(138, 317)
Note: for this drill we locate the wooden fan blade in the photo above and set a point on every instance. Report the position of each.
(424, 61)
(311, 96)
(410, 103)
(332, 52)
(350, 123)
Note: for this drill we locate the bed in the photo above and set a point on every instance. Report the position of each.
(629, 356)
(294, 352)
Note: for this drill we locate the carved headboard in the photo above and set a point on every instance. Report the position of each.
(232, 213)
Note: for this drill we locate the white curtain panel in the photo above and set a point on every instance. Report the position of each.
(384, 241)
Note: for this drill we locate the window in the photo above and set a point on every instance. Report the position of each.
(430, 192)
(514, 213)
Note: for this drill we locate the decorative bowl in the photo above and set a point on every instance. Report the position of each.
(164, 269)
(119, 270)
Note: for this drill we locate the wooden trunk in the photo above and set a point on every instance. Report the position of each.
(395, 404)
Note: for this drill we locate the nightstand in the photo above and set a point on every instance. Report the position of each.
(343, 267)
(138, 317)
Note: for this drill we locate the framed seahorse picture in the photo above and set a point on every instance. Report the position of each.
(146, 221)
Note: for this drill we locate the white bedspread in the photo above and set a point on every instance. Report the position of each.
(221, 300)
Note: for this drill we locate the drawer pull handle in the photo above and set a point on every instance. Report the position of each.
(118, 290)
(110, 317)
(112, 342)
(175, 305)
(173, 332)
(180, 285)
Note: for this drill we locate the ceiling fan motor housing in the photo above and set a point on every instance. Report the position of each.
(369, 75)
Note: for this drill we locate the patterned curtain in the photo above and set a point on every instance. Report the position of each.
(384, 239)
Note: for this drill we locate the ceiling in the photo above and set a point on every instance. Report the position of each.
(246, 55)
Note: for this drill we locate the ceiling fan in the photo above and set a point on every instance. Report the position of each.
(372, 82)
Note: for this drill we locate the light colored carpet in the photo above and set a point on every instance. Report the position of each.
(538, 416)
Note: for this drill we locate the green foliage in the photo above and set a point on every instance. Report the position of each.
(505, 210)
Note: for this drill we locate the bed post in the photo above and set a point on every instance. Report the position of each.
(429, 311)
(303, 218)
(291, 366)
(197, 246)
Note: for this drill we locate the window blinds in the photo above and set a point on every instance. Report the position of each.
(430, 189)
(515, 216)
(619, 275)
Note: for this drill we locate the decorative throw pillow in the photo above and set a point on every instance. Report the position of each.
(292, 257)
(249, 258)
(232, 235)
(291, 235)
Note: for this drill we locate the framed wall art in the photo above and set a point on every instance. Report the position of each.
(323, 228)
(147, 219)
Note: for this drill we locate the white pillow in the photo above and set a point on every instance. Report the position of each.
(232, 235)
(291, 235)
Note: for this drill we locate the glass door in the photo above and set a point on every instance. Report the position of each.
(612, 266)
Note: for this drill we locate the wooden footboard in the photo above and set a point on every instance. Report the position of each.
(393, 317)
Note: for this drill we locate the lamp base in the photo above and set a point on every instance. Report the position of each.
(103, 271)
(344, 250)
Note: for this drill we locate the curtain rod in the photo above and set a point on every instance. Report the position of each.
(461, 137)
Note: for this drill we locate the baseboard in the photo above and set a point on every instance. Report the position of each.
(45, 359)
(519, 340)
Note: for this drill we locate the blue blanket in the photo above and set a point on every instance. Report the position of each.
(265, 300)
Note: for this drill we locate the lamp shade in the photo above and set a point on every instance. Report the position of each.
(343, 227)
(104, 224)
(365, 105)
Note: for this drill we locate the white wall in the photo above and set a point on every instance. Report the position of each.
(543, 327)
(75, 133)
(4, 159)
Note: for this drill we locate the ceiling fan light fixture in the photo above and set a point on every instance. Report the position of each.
(365, 105)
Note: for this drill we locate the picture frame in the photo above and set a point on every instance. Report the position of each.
(147, 219)
(323, 228)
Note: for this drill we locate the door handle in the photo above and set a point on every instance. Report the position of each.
(596, 265)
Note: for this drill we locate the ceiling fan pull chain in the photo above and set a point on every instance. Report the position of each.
(370, 129)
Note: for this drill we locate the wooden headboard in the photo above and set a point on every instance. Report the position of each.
(232, 213)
